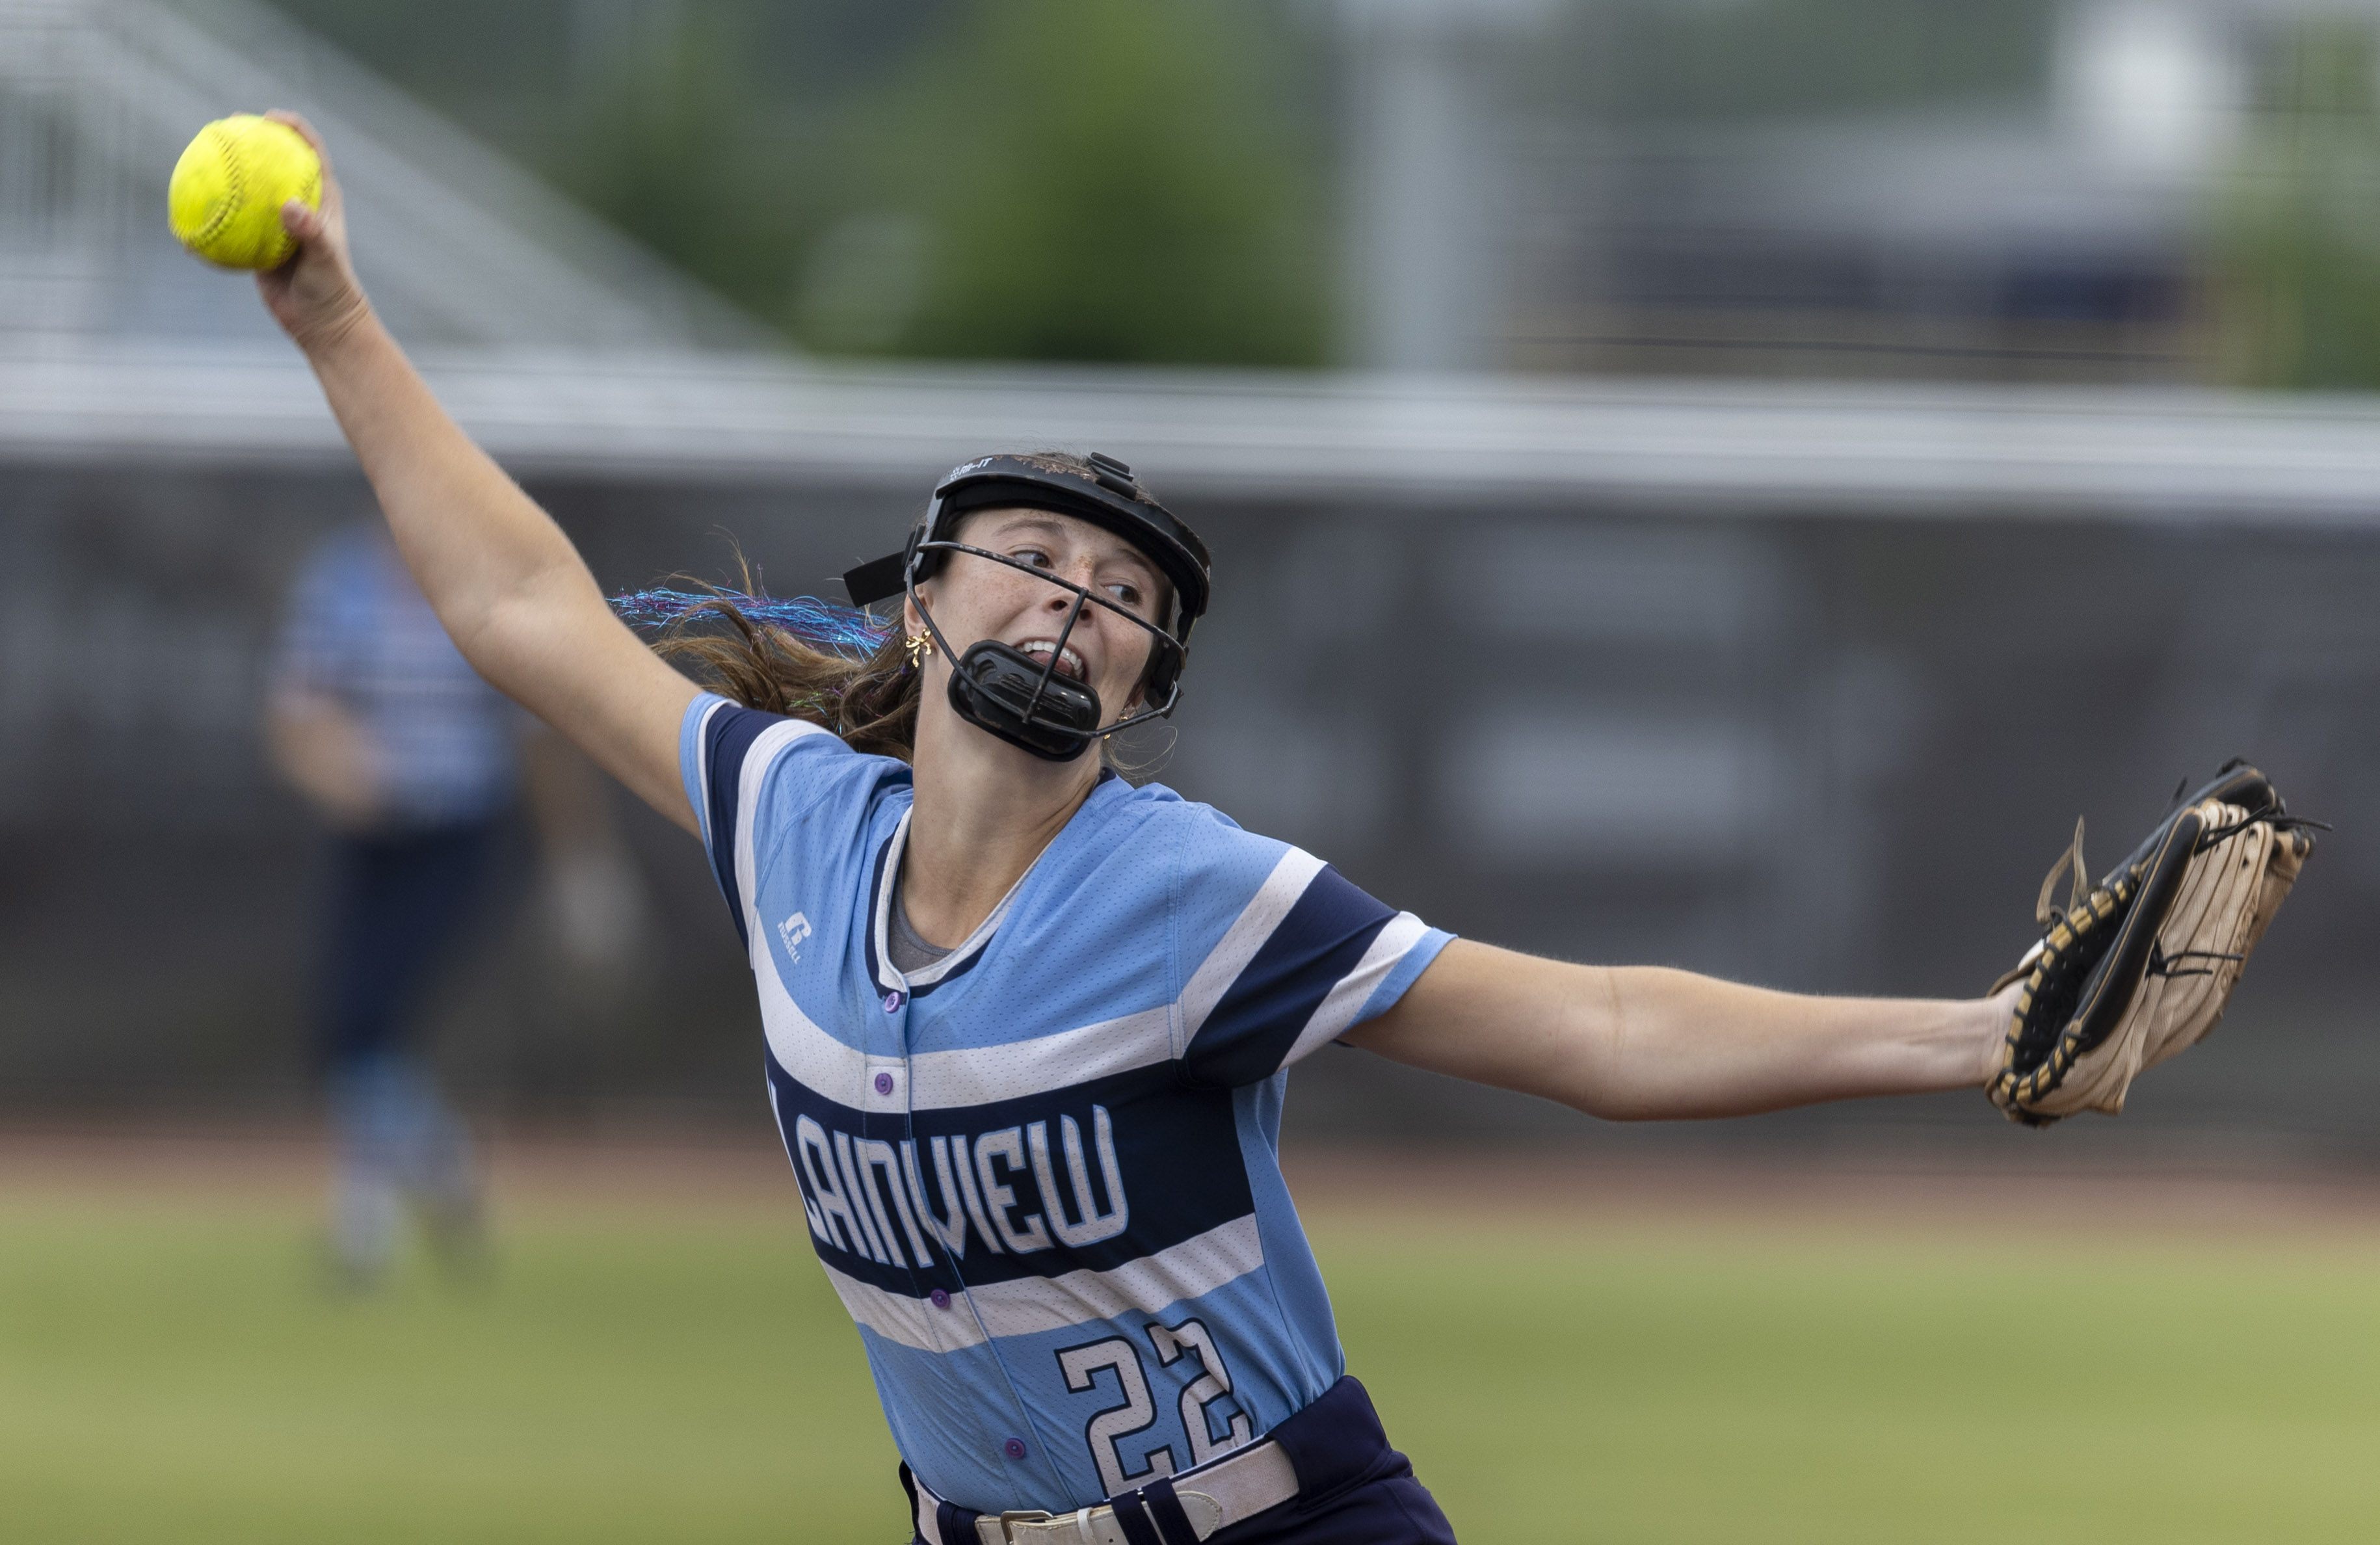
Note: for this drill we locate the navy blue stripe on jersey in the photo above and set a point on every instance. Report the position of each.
(958, 969)
(728, 737)
(1251, 1030)
(1090, 1177)
(926, 979)
(877, 965)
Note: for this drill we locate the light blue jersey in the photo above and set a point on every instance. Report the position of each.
(1042, 1173)
(360, 631)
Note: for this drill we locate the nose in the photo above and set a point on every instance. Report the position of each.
(1085, 574)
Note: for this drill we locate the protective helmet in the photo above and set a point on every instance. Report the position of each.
(1000, 689)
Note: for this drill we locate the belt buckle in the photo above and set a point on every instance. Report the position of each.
(1022, 1515)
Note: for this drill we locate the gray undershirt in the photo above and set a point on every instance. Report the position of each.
(910, 953)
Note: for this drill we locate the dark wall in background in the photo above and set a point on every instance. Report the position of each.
(1812, 752)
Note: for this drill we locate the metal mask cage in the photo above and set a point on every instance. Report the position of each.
(1162, 672)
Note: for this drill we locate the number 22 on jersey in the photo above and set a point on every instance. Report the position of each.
(1111, 1425)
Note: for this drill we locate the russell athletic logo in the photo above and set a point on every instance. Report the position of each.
(792, 930)
(893, 1204)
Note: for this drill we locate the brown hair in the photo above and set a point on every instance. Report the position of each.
(870, 702)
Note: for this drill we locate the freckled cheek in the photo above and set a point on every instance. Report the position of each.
(1129, 658)
(986, 609)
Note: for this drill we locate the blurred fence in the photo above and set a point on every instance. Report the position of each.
(97, 98)
(1800, 685)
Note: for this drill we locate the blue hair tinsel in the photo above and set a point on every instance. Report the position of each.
(843, 630)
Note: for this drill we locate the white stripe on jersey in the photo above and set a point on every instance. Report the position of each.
(1246, 935)
(702, 772)
(943, 1080)
(1195, 1267)
(808, 1053)
(979, 1076)
(764, 751)
(1345, 1001)
(948, 1079)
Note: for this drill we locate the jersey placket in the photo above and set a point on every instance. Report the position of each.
(885, 1093)
(886, 1101)
(883, 1105)
(944, 1289)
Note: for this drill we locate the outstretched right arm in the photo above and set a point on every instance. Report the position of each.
(507, 584)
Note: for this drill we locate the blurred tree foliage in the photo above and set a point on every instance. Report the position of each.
(1053, 179)
(1099, 179)
(2298, 256)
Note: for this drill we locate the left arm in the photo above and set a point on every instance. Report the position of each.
(1648, 1043)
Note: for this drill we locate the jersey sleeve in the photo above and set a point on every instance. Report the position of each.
(748, 774)
(1282, 954)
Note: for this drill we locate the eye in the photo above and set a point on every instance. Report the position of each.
(1033, 555)
(1127, 593)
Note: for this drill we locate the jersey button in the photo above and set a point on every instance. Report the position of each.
(893, 1002)
(942, 1298)
(1014, 1448)
(884, 1083)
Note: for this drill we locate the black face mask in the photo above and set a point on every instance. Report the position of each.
(1002, 689)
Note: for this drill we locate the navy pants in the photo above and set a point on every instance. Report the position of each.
(400, 903)
(1353, 1488)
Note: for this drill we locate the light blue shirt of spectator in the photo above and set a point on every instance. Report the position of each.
(445, 743)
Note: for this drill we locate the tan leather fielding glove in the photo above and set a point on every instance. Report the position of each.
(2142, 967)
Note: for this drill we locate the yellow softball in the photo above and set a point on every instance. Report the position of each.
(224, 201)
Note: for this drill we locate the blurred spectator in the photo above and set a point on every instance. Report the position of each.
(415, 763)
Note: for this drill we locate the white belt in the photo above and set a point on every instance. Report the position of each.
(1239, 1484)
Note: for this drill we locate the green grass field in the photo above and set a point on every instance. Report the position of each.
(169, 1372)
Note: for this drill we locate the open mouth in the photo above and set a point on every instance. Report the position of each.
(1070, 664)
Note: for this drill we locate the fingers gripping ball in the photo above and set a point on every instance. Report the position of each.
(224, 201)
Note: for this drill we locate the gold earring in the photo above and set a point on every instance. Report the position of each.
(920, 647)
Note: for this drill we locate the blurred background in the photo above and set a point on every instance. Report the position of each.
(1723, 484)
(1715, 482)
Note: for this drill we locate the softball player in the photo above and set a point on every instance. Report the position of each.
(1028, 1026)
